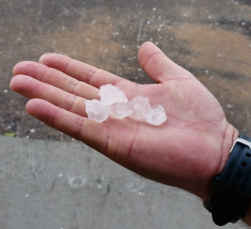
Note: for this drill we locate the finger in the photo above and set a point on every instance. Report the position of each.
(80, 71)
(56, 78)
(158, 66)
(32, 88)
(92, 133)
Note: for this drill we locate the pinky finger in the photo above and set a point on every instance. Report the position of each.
(81, 128)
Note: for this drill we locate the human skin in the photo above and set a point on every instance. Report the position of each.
(187, 151)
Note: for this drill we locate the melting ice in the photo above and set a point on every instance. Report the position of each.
(97, 110)
(120, 110)
(115, 103)
(110, 95)
(156, 116)
(140, 106)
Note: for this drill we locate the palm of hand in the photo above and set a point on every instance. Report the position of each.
(187, 148)
(186, 151)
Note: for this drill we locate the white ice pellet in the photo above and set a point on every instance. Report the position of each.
(96, 110)
(110, 94)
(119, 110)
(140, 106)
(115, 103)
(156, 116)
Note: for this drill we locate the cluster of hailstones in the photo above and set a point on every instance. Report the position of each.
(114, 103)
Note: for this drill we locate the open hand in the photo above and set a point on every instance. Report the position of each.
(186, 151)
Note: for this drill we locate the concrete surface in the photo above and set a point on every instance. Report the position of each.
(55, 185)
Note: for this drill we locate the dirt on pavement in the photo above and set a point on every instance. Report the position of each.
(210, 38)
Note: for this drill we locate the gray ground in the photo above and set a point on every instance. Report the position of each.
(61, 184)
(47, 185)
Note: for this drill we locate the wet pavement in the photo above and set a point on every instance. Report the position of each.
(210, 38)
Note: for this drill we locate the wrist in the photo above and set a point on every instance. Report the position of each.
(230, 193)
(230, 135)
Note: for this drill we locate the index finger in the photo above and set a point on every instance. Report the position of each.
(81, 71)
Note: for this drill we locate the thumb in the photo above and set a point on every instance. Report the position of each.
(158, 66)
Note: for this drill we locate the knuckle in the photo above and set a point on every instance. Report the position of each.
(69, 101)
